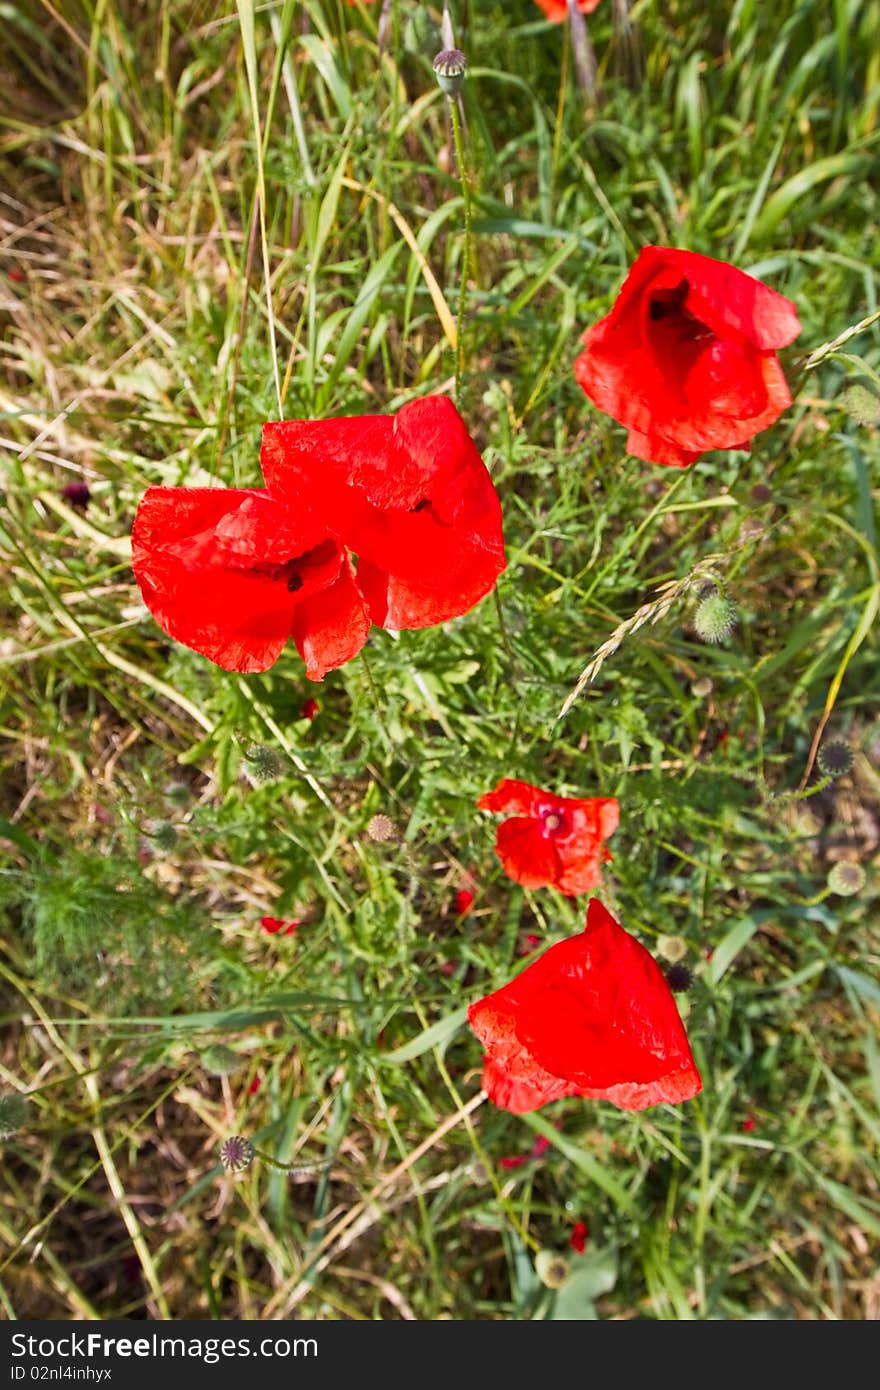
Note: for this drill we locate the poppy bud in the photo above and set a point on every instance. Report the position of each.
(237, 1153)
(13, 1115)
(715, 618)
(450, 66)
(164, 836)
(859, 401)
(220, 1060)
(266, 763)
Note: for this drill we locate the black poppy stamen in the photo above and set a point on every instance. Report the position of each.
(294, 582)
(421, 505)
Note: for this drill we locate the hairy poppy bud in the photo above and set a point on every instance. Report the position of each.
(715, 618)
(13, 1115)
(164, 836)
(266, 763)
(220, 1060)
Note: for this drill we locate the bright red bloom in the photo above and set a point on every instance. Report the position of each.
(255, 1085)
(578, 1238)
(235, 573)
(557, 10)
(687, 357)
(749, 1124)
(463, 902)
(593, 1016)
(551, 840)
(16, 274)
(310, 709)
(410, 496)
(274, 924)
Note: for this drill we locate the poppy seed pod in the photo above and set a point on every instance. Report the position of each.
(450, 66)
(237, 1153)
(846, 878)
(14, 1111)
(835, 758)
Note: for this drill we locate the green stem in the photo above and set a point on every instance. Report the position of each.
(466, 256)
(288, 1167)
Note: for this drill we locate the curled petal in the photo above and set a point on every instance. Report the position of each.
(593, 1016)
(330, 627)
(222, 570)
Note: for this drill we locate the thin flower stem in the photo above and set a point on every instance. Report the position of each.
(374, 691)
(466, 254)
(295, 1168)
(246, 23)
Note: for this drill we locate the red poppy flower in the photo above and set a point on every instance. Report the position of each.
(410, 496)
(593, 1016)
(309, 709)
(274, 924)
(557, 10)
(16, 274)
(234, 573)
(551, 840)
(578, 1238)
(687, 357)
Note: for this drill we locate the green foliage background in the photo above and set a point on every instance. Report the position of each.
(155, 807)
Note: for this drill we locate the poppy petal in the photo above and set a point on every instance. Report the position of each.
(593, 1016)
(410, 495)
(528, 856)
(330, 627)
(517, 798)
(217, 569)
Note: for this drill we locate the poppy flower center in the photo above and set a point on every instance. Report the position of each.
(421, 505)
(554, 822)
(293, 573)
(667, 310)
